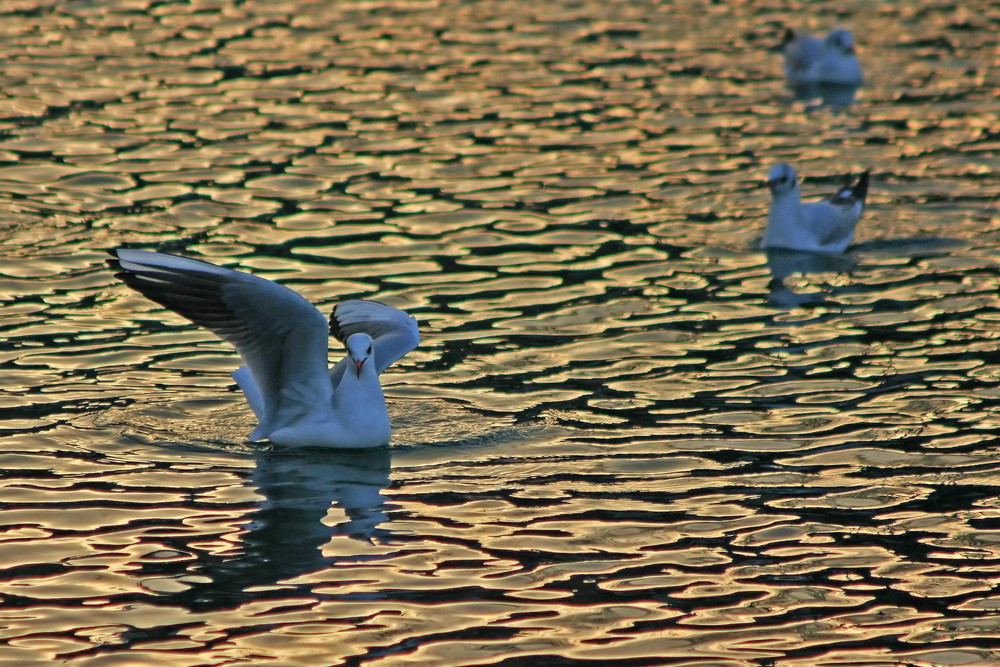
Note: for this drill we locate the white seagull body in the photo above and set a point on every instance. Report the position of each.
(809, 60)
(283, 342)
(802, 54)
(823, 226)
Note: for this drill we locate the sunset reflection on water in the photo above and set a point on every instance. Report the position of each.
(629, 437)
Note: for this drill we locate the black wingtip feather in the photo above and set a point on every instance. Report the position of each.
(190, 294)
(336, 330)
(861, 189)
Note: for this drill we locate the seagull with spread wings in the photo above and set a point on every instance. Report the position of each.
(283, 342)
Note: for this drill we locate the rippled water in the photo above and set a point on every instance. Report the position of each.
(628, 437)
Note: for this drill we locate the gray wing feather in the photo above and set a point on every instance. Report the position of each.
(281, 337)
(393, 332)
(835, 217)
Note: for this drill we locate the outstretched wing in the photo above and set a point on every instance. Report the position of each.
(281, 337)
(393, 331)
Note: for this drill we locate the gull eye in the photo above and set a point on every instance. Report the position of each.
(369, 350)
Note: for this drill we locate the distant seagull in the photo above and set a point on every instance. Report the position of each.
(823, 226)
(282, 339)
(839, 64)
(809, 60)
(802, 55)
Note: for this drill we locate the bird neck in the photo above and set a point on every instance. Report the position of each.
(787, 201)
(786, 226)
(363, 386)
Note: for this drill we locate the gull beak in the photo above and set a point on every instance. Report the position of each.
(358, 363)
(770, 184)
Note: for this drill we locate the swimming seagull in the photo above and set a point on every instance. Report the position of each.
(839, 64)
(802, 54)
(282, 340)
(823, 226)
(810, 60)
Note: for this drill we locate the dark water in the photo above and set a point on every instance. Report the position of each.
(623, 441)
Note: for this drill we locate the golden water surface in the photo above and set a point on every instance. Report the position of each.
(628, 437)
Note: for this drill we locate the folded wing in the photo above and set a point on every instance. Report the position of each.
(833, 219)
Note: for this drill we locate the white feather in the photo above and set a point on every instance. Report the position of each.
(282, 340)
(823, 226)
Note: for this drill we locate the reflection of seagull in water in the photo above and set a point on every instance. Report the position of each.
(783, 263)
(286, 536)
(283, 339)
(299, 488)
(823, 226)
(809, 60)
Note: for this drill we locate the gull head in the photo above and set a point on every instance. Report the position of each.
(841, 40)
(360, 349)
(782, 179)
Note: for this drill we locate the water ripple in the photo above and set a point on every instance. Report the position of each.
(628, 437)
